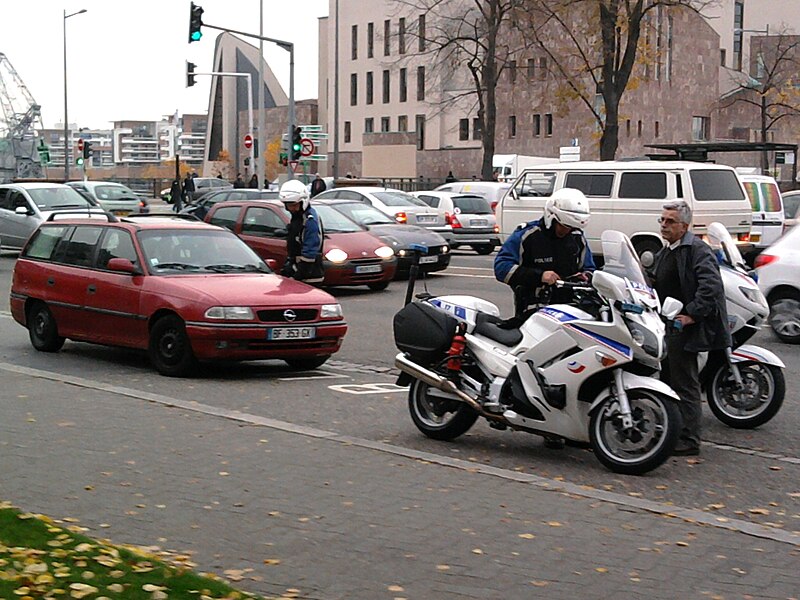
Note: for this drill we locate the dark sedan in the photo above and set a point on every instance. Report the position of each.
(203, 206)
(399, 237)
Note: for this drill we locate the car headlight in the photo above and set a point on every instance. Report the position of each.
(402, 252)
(384, 252)
(336, 255)
(232, 313)
(330, 311)
(445, 249)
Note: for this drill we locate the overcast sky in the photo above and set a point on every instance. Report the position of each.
(126, 59)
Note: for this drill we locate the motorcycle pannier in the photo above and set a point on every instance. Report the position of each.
(423, 331)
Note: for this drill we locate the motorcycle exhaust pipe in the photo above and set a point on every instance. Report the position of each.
(406, 365)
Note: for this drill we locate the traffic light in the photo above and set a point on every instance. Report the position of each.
(79, 161)
(282, 159)
(87, 149)
(190, 67)
(297, 146)
(195, 22)
(80, 146)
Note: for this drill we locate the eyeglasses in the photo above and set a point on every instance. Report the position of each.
(667, 221)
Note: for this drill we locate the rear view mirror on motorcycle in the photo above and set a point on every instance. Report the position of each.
(671, 307)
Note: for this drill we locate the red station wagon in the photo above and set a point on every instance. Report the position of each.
(351, 255)
(183, 290)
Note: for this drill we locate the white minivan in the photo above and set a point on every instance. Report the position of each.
(628, 196)
(767, 206)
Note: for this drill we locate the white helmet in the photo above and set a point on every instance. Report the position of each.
(294, 191)
(567, 206)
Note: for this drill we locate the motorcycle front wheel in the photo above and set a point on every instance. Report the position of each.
(643, 447)
(436, 416)
(761, 399)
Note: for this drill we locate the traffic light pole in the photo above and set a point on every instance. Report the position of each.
(289, 47)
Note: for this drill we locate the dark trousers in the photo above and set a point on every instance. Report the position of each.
(680, 371)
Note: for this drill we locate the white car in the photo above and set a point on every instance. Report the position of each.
(401, 206)
(778, 269)
(114, 197)
(469, 220)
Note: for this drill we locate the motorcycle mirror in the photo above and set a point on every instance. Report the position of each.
(671, 307)
(647, 259)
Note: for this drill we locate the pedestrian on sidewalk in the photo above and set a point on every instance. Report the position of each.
(238, 183)
(253, 183)
(176, 195)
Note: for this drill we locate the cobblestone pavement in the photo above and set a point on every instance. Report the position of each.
(281, 507)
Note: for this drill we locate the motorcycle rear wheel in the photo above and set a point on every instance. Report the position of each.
(765, 388)
(438, 418)
(651, 440)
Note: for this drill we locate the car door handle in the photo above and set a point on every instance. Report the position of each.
(51, 281)
(91, 289)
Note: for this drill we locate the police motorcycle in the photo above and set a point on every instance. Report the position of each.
(583, 372)
(745, 386)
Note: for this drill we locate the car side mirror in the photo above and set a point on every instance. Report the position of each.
(23, 210)
(671, 307)
(647, 259)
(281, 233)
(122, 265)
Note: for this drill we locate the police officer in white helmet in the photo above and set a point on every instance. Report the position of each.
(304, 242)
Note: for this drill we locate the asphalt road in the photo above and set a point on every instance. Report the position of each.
(746, 475)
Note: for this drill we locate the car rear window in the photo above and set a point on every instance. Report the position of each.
(652, 186)
(43, 242)
(472, 205)
(771, 196)
(591, 184)
(398, 199)
(751, 187)
(714, 184)
(114, 192)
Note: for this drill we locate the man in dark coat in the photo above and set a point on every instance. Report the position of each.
(318, 185)
(687, 270)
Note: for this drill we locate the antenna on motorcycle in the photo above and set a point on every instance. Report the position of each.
(417, 250)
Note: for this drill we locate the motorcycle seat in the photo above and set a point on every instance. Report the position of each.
(491, 327)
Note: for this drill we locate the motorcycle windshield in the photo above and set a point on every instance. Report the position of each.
(722, 243)
(621, 259)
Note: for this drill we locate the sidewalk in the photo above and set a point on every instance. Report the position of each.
(337, 519)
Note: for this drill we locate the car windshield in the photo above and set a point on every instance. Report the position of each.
(114, 192)
(363, 214)
(335, 222)
(50, 198)
(170, 251)
(472, 205)
(398, 199)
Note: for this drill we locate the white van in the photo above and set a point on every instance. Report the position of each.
(767, 205)
(628, 196)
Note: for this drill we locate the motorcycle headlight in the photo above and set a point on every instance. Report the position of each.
(385, 252)
(230, 313)
(336, 255)
(644, 338)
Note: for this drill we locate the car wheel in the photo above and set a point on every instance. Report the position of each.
(378, 286)
(784, 316)
(483, 249)
(307, 364)
(43, 330)
(170, 350)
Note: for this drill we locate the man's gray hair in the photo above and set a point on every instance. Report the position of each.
(682, 208)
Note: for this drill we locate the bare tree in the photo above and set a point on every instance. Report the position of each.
(593, 47)
(470, 34)
(772, 84)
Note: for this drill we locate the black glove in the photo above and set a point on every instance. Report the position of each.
(288, 268)
(304, 270)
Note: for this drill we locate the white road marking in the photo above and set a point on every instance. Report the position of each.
(367, 388)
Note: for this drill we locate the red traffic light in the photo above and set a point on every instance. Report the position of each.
(80, 144)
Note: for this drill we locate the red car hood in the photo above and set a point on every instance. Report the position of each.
(251, 289)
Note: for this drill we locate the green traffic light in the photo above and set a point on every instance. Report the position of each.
(196, 35)
(297, 147)
(79, 161)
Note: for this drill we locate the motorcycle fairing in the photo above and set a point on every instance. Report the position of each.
(631, 381)
(750, 353)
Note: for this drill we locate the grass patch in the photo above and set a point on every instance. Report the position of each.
(41, 559)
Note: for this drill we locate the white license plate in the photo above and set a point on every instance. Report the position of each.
(292, 333)
(121, 213)
(424, 260)
(426, 219)
(369, 269)
(478, 222)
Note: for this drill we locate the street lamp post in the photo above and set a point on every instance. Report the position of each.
(66, 118)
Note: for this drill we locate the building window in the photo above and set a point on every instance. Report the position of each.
(369, 125)
(738, 25)
(420, 132)
(387, 83)
(420, 83)
(659, 36)
(722, 57)
(353, 89)
(639, 128)
(384, 124)
(537, 125)
(531, 68)
(628, 127)
(370, 40)
(670, 24)
(347, 132)
(401, 36)
(543, 67)
(354, 42)
(657, 128)
(463, 130)
(701, 129)
(512, 71)
(402, 123)
(548, 124)
(369, 87)
(477, 129)
(387, 37)
(421, 33)
(512, 126)
(403, 85)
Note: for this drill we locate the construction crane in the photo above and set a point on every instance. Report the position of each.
(20, 117)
